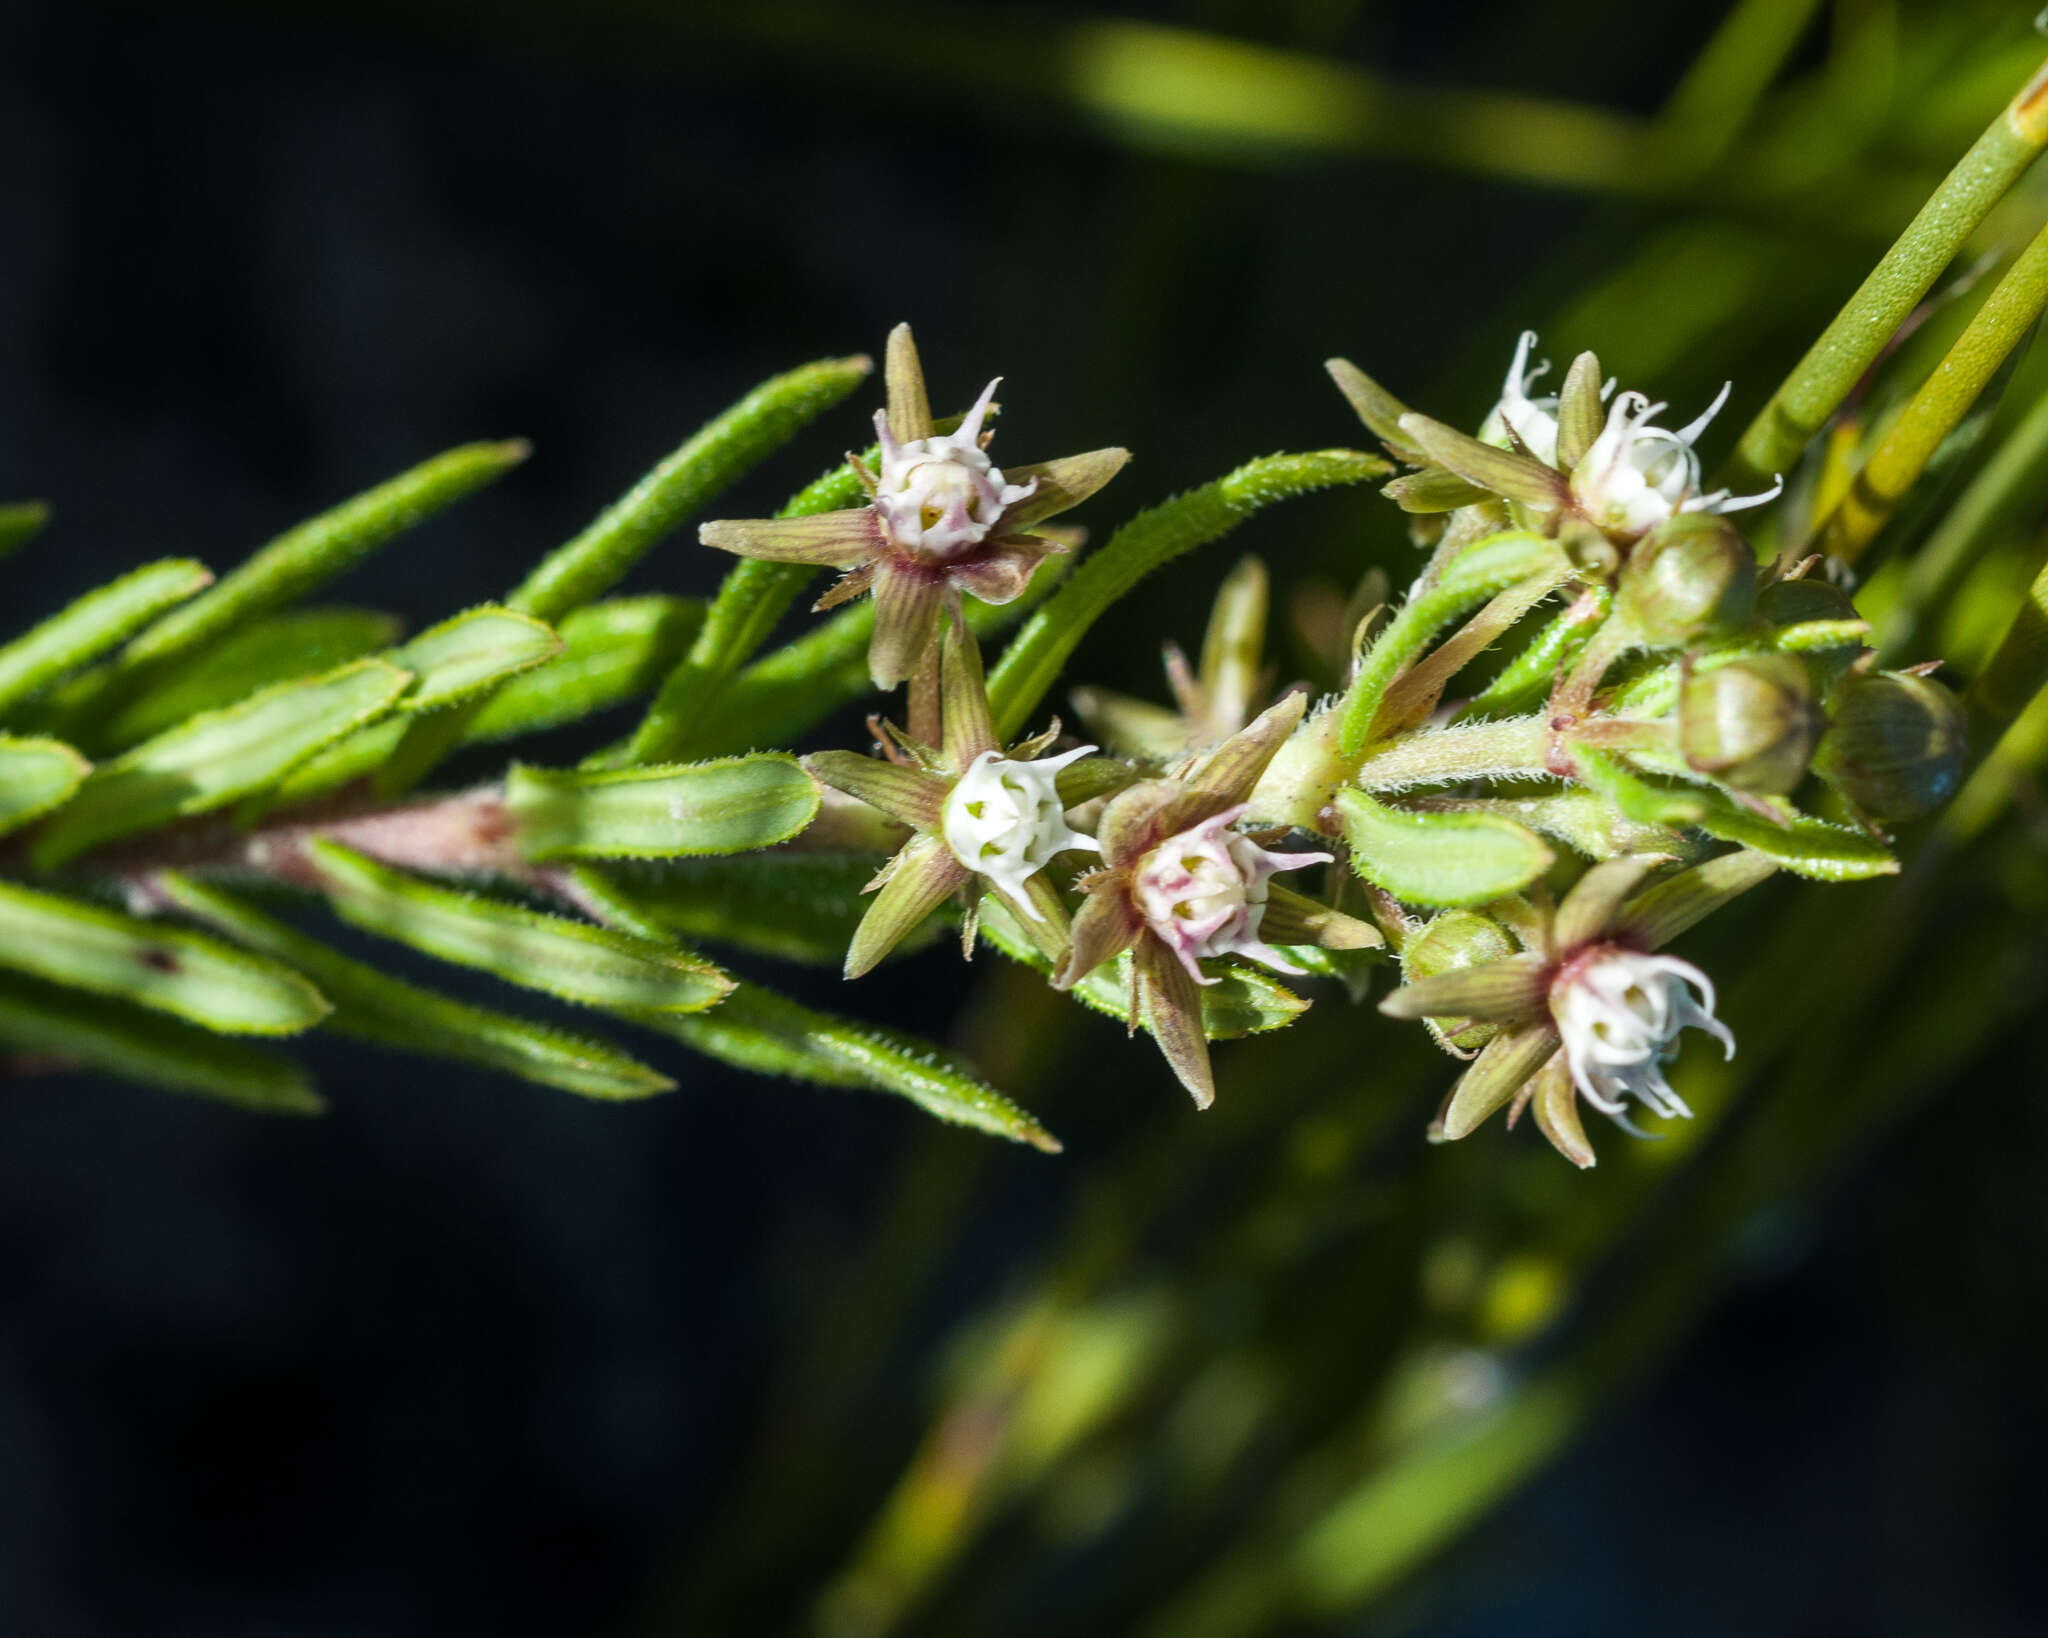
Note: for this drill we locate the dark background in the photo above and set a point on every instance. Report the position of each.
(467, 1355)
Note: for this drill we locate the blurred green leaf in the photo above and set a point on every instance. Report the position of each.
(217, 756)
(166, 969)
(374, 1006)
(99, 1033)
(611, 652)
(97, 622)
(794, 906)
(20, 522)
(568, 959)
(36, 775)
(729, 806)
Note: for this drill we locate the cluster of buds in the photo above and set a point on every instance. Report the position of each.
(1525, 852)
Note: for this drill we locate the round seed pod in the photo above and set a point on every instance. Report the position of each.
(1894, 746)
(1751, 724)
(1454, 940)
(1695, 575)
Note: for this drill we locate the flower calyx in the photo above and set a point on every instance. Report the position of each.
(1178, 886)
(981, 819)
(942, 520)
(1589, 1007)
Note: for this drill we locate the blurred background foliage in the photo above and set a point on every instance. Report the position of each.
(760, 1359)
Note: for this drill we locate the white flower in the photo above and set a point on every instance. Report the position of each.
(1004, 819)
(1620, 1013)
(1204, 893)
(1636, 475)
(939, 497)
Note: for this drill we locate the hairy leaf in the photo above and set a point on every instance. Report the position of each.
(729, 806)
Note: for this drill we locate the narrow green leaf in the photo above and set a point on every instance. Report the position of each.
(1528, 676)
(282, 648)
(769, 1034)
(113, 1038)
(469, 653)
(1856, 336)
(793, 906)
(1446, 859)
(36, 775)
(587, 567)
(612, 652)
(373, 1006)
(166, 969)
(2018, 668)
(97, 622)
(1481, 570)
(729, 806)
(559, 957)
(1245, 1000)
(301, 560)
(1151, 540)
(752, 597)
(218, 757)
(21, 522)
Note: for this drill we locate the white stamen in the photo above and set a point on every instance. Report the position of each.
(1620, 1013)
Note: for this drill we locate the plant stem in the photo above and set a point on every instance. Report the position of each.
(1823, 378)
(1515, 746)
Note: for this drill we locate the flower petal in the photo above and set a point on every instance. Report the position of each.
(907, 604)
(910, 410)
(1043, 915)
(832, 540)
(1132, 822)
(1679, 902)
(1104, 929)
(1295, 918)
(925, 873)
(1503, 471)
(1510, 1058)
(1000, 570)
(1379, 409)
(1556, 1104)
(1226, 776)
(1172, 1009)
(846, 588)
(966, 725)
(1589, 909)
(1063, 483)
(903, 793)
(1579, 415)
(1491, 992)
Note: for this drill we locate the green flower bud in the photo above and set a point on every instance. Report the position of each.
(1895, 746)
(1455, 940)
(1694, 576)
(1751, 724)
(1794, 602)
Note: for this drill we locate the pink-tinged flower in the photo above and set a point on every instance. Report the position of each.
(982, 819)
(1588, 1008)
(1177, 887)
(942, 519)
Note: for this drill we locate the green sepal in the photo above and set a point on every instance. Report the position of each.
(473, 651)
(36, 775)
(166, 969)
(217, 757)
(568, 959)
(101, 1034)
(373, 1006)
(1449, 860)
(733, 805)
(98, 621)
(1245, 1000)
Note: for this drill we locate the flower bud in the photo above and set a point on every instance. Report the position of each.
(1895, 746)
(1751, 724)
(1452, 941)
(1693, 576)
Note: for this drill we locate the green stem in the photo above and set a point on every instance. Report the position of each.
(1511, 748)
(1852, 342)
(1936, 410)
